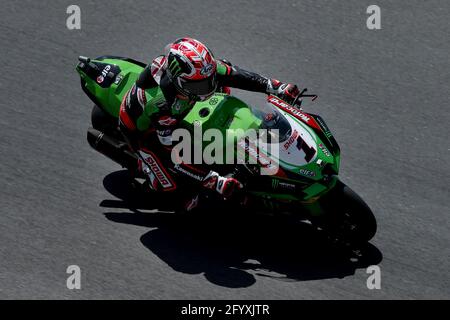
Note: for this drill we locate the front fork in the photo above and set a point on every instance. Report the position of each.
(315, 201)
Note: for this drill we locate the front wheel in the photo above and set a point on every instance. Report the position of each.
(348, 217)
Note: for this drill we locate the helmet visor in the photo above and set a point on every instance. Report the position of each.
(200, 88)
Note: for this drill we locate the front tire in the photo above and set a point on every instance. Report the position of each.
(348, 217)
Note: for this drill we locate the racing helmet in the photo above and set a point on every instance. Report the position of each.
(191, 67)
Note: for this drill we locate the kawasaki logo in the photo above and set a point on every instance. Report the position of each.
(188, 173)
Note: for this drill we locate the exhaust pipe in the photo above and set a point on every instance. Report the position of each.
(112, 148)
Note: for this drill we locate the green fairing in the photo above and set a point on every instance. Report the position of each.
(229, 115)
(111, 98)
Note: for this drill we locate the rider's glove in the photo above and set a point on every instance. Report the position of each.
(285, 91)
(223, 185)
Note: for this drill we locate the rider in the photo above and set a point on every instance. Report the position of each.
(185, 74)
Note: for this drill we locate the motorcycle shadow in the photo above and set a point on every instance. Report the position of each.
(231, 248)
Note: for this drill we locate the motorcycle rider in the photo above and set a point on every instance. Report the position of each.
(185, 74)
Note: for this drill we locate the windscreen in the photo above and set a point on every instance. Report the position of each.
(272, 119)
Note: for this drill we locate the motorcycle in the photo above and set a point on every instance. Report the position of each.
(306, 184)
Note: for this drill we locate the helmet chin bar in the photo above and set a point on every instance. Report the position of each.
(209, 95)
(192, 96)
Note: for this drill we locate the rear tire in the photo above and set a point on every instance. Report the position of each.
(103, 121)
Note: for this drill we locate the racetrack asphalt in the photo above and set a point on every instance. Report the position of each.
(384, 94)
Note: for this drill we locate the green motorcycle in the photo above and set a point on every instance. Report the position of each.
(306, 183)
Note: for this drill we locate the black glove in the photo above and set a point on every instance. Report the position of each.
(225, 186)
(285, 91)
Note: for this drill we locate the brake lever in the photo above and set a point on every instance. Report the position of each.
(298, 100)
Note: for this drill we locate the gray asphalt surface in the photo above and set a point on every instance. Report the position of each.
(385, 95)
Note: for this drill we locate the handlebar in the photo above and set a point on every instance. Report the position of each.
(299, 99)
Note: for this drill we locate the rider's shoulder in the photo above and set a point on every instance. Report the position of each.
(224, 67)
(157, 67)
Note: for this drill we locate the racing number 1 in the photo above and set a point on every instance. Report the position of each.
(309, 151)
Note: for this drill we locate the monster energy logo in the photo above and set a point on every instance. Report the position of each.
(174, 67)
(324, 127)
(275, 183)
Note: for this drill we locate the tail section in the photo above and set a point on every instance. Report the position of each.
(106, 79)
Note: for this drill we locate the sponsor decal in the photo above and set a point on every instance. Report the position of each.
(213, 101)
(291, 140)
(174, 67)
(106, 70)
(324, 127)
(324, 150)
(254, 153)
(307, 172)
(286, 186)
(167, 121)
(108, 76)
(164, 133)
(159, 172)
(277, 184)
(188, 173)
(292, 110)
(177, 106)
(206, 70)
(287, 107)
(118, 79)
(153, 181)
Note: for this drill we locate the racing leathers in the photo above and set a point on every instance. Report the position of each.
(153, 105)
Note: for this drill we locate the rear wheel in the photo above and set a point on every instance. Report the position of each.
(349, 218)
(103, 121)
